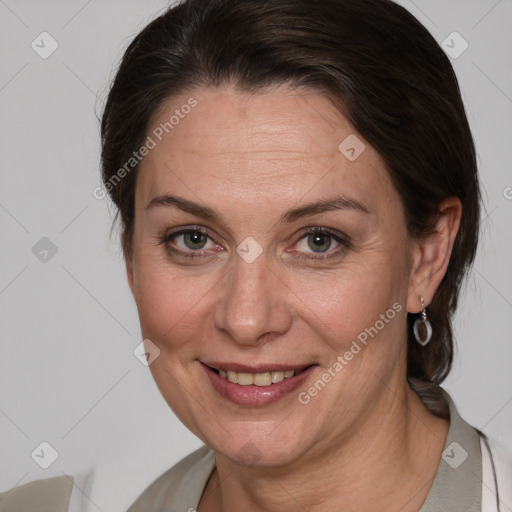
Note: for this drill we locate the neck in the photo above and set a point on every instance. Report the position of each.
(398, 447)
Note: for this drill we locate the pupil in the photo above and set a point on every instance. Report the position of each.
(319, 242)
(194, 240)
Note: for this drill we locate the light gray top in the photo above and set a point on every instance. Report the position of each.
(45, 495)
(457, 485)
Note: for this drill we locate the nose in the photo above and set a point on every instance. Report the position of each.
(252, 308)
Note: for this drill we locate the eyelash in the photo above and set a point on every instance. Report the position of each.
(344, 242)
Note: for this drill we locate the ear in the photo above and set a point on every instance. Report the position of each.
(129, 272)
(431, 255)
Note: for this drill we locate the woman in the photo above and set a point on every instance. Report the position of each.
(298, 191)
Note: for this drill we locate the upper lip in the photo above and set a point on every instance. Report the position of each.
(254, 368)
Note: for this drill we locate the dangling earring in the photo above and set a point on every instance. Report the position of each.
(423, 320)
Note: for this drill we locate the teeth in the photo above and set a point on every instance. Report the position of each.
(263, 379)
(257, 379)
(277, 377)
(245, 379)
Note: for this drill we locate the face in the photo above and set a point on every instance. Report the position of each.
(262, 246)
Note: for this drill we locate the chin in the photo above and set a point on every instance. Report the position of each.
(257, 446)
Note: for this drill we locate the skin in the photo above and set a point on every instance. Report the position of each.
(366, 441)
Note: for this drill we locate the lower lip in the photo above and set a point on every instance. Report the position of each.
(256, 396)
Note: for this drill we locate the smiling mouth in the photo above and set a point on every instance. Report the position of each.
(266, 378)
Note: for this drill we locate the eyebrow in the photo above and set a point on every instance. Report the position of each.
(336, 203)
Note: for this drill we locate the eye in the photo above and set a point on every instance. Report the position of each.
(316, 241)
(320, 243)
(191, 242)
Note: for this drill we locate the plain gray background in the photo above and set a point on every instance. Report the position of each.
(68, 325)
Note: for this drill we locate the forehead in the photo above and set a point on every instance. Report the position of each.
(281, 143)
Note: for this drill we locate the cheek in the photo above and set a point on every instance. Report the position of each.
(169, 304)
(363, 302)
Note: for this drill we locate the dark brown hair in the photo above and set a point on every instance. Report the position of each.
(372, 58)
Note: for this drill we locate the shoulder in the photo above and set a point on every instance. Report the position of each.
(63, 493)
(181, 486)
(49, 494)
(496, 473)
